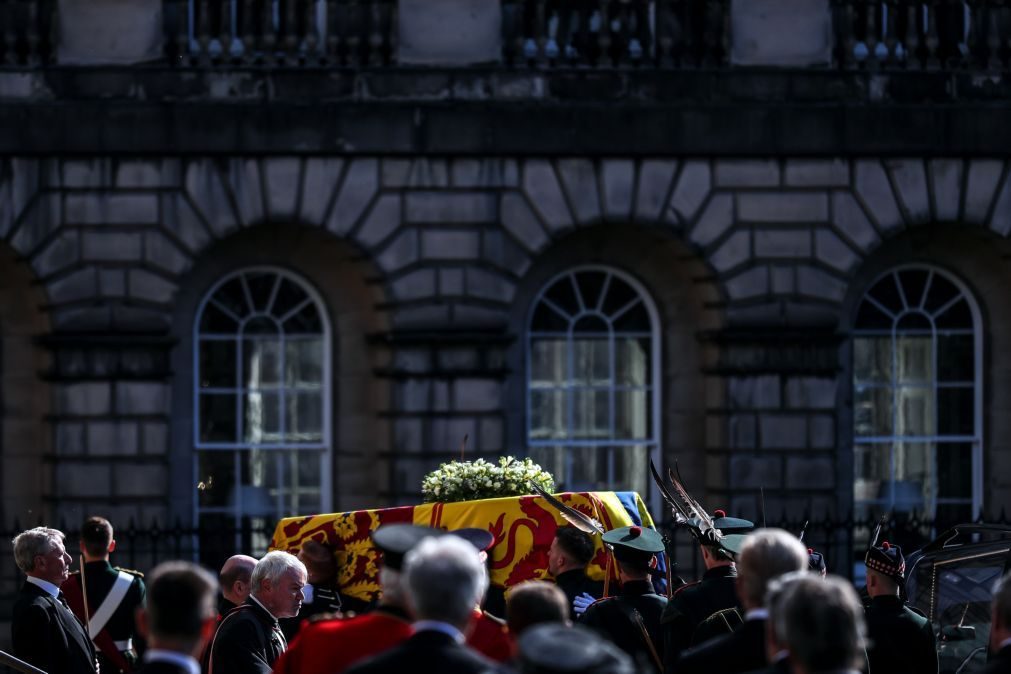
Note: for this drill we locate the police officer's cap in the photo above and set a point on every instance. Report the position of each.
(396, 540)
(481, 539)
(553, 648)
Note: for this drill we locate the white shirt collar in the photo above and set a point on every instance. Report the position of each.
(54, 590)
(757, 614)
(262, 606)
(436, 626)
(185, 661)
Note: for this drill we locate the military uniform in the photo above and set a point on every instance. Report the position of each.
(323, 600)
(901, 638)
(248, 641)
(741, 651)
(575, 583)
(618, 618)
(116, 636)
(692, 604)
(999, 662)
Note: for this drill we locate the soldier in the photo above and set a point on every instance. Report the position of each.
(716, 591)
(632, 619)
(249, 639)
(178, 619)
(44, 631)
(1000, 629)
(114, 595)
(902, 639)
(764, 556)
(571, 550)
(321, 593)
(366, 635)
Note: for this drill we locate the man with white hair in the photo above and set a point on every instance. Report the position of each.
(1000, 629)
(445, 579)
(44, 631)
(765, 555)
(249, 639)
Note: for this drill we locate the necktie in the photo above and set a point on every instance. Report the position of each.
(279, 635)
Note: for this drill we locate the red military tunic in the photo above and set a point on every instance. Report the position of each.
(331, 646)
(490, 637)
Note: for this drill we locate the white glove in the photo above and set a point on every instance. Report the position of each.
(581, 603)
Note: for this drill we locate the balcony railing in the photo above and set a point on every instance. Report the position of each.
(922, 35)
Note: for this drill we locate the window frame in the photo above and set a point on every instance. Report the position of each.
(324, 446)
(654, 390)
(976, 438)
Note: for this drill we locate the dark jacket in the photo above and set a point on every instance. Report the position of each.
(613, 618)
(428, 652)
(248, 641)
(901, 640)
(161, 667)
(741, 651)
(999, 662)
(574, 583)
(45, 633)
(692, 604)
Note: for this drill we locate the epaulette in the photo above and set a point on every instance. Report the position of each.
(132, 572)
(602, 599)
(494, 619)
(684, 587)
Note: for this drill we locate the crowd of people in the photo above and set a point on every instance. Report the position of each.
(764, 604)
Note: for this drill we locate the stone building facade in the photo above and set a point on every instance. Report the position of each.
(395, 234)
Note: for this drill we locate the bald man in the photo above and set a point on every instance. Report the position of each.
(235, 579)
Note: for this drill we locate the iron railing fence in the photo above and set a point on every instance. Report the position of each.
(913, 35)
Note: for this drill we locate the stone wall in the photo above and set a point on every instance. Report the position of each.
(446, 251)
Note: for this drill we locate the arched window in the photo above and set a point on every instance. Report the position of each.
(593, 366)
(917, 355)
(262, 403)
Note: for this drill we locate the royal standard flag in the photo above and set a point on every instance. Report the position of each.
(523, 526)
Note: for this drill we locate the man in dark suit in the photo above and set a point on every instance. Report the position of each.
(249, 639)
(570, 552)
(765, 555)
(114, 595)
(445, 579)
(902, 639)
(178, 619)
(1000, 629)
(44, 630)
(631, 619)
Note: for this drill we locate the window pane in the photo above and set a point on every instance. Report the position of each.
(217, 364)
(954, 469)
(232, 297)
(591, 418)
(546, 319)
(914, 282)
(949, 514)
(631, 468)
(872, 413)
(304, 321)
(870, 317)
(958, 316)
(914, 476)
(632, 414)
(872, 359)
(303, 362)
(261, 363)
(886, 292)
(588, 466)
(217, 417)
(591, 362)
(261, 420)
(914, 359)
(303, 420)
(955, 358)
(563, 295)
(289, 296)
(590, 284)
(551, 459)
(916, 411)
(941, 292)
(215, 320)
(955, 411)
(261, 285)
(548, 361)
(632, 362)
(215, 479)
(547, 414)
(619, 295)
(873, 471)
(635, 319)
(260, 476)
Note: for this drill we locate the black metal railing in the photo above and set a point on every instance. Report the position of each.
(27, 32)
(309, 33)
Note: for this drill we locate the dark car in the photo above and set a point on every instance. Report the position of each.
(951, 580)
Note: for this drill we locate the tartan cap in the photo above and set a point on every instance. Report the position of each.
(886, 559)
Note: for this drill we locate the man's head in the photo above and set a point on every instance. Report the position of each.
(395, 541)
(570, 549)
(236, 578)
(535, 602)
(886, 569)
(96, 539)
(554, 648)
(180, 612)
(714, 556)
(39, 552)
(1000, 629)
(820, 622)
(320, 563)
(765, 555)
(634, 549)
(445, 580)
(277, 583)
